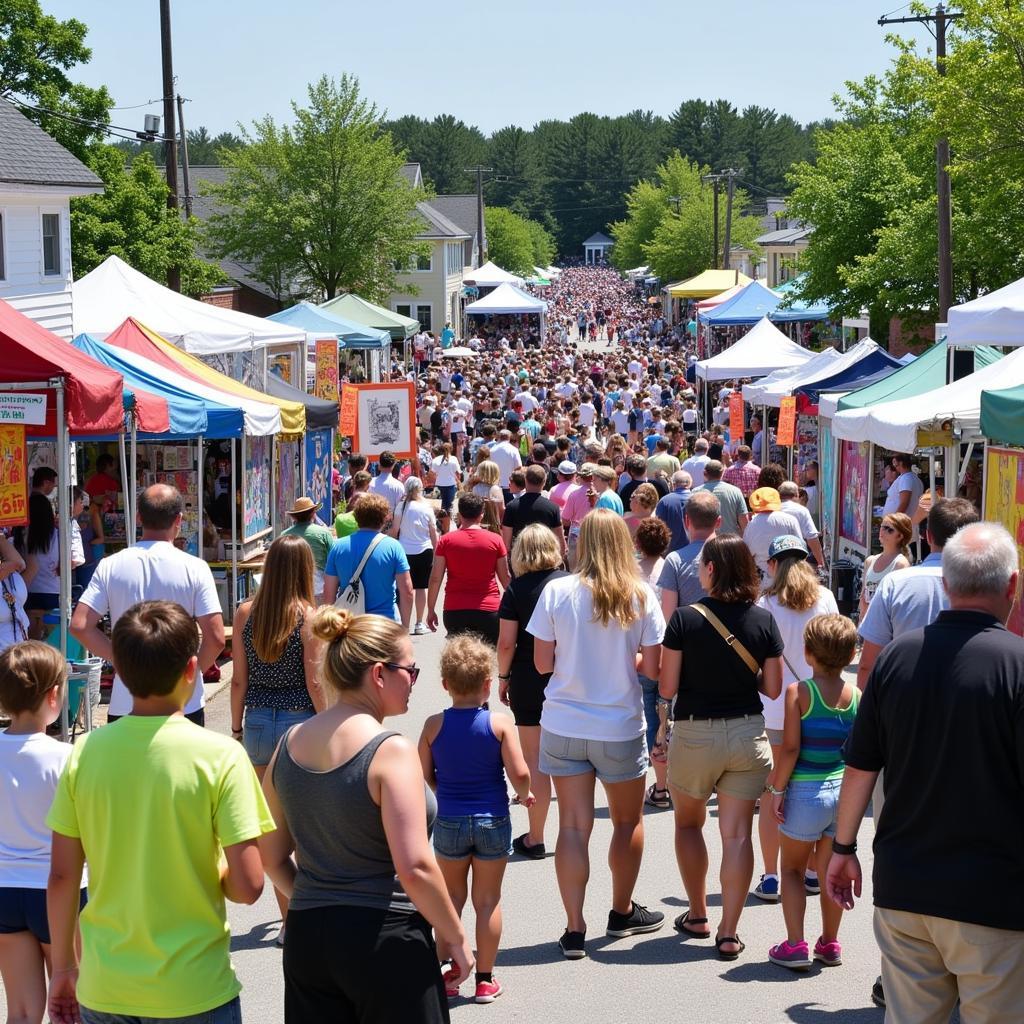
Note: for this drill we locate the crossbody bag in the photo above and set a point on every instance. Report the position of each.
(353, 597)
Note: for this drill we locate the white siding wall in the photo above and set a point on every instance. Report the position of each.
(43, 297)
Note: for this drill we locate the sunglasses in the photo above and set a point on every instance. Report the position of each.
(413, 669)
(886, 528)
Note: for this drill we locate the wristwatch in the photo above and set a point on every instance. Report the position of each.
(844, 849)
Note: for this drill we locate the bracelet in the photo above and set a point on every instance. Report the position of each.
(236, 731)
(774, 792)
(844, 849)
(504, 678)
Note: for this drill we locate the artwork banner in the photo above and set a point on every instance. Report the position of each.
(386, 420)
(13, 475)
(1004, 503)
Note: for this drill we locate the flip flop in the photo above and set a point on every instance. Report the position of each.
(681, 922)
(722, 955)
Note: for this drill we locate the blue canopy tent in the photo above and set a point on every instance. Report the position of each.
(747, 307)
(873, 367)
(314, 320)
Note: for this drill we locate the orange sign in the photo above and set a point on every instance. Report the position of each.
(13, 475)
(736, 418)
(326, 380)
(349, 409)
(786, 436)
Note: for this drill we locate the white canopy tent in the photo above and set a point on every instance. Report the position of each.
(506, 299)
(761, 350)
(788, 376)
(774, 394)
(993, 319)
(894, 425)
(114, 291)
(490, 275)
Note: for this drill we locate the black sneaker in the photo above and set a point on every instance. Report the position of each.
(536, 852)
(878, 994)
(572, 945)
(639, 920)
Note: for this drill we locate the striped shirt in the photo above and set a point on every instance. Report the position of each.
(823, 731)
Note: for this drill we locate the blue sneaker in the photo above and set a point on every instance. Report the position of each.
(768, 889)
(811, 885)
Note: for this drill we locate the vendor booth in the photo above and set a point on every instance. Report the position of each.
(761, 350)
(507, 300)
(490, 275)
(993, 319)
(356, 310)
(707, 284)
(749, 305)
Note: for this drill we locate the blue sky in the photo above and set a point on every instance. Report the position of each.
(490, 64)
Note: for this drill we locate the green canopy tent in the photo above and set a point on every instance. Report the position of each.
(1002, 415)
(352, 307)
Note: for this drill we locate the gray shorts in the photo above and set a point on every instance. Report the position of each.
(610, 760)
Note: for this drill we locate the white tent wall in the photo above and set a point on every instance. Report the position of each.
(773, 395)
(762, 350)
(791, 376)
(993, 319)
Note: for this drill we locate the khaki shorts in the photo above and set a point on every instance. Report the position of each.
(731, 755)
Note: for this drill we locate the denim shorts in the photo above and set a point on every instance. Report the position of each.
(262, 728)
(483, 836)
(229, 1013)
(24, 910)
(610, 760)
(810, 810)
(650, 690)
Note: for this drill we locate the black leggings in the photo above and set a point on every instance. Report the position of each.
(472, 620)
(355, 965)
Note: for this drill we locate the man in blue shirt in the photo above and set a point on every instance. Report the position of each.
(386, 570)
(671, 510)
(447, 336)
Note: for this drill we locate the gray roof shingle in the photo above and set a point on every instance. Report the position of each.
(786, 236)
(599, 238)
(460, 210)
(28, 156)
(438, 225)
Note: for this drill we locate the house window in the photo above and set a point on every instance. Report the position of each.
(425, 316)
(404, 309)
(51, 244)
(425, 263)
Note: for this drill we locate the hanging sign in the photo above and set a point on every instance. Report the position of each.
(326, 380)
(21, 407)
(13, 475)
(349, 409)
(736, 418)
(786, 435)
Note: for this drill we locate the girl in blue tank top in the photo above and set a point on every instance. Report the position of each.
(466, 754)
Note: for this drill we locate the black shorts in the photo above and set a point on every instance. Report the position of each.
(526, 695)
(470, 620)
(356, 964)
(419, 568)
(24, 910)
(42, 602)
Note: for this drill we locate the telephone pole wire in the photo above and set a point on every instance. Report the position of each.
(730, 174)
(940, 18)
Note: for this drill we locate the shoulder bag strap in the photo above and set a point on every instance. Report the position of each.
(354, 578)
(729, 638)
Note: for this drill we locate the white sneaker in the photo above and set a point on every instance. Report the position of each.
(420, 629)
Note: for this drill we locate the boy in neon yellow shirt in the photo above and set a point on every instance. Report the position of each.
(151, 802)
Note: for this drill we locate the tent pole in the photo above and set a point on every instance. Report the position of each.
(234, 530)
(133, 469)
(63, 540)
(126, 484)
(199, 491)
(275, 455)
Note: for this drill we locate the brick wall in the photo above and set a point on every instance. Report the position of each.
(244, 300)
(905, 338)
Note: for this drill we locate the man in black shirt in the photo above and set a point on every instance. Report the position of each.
(636, 467)
(943, 714)
(532, 507)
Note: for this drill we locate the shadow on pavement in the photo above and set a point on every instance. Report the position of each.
(260, 936)
(810, 1013)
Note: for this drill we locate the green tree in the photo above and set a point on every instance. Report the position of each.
(542, 244)
(510, 240)
(320, 201)
(36, 52)
(131, 220)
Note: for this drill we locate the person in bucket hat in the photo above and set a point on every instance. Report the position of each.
(315, 534)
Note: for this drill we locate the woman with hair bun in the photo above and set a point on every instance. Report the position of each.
(349, 801)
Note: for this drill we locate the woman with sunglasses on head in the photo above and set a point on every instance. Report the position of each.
(894, 535)
(349, 800)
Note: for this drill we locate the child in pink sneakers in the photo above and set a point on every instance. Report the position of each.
(805, 784)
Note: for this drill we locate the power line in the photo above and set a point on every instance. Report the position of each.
(100, 126)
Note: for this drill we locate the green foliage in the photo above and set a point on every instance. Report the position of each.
(677, 244)
(319, 205)
(445, 148)
(36, 52)
(131, 219)
(515, 243)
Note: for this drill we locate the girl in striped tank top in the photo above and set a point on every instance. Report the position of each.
(805, 784)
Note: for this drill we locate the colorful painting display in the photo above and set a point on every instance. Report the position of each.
(288, 454)
(787, 423)
(13, 475)
(735, 417)
(281, 365)
(326, 381)
(854, 486)
(807, 441)
(1004, 503)
(827, 486)
(256, 487)
(349, 417)
(386, 420)
(317, 484)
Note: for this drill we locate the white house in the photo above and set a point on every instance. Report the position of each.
(38, 178)
(597, 247)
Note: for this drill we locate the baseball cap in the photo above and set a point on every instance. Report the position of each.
(787, 543)
(567, 468)
(765, 499)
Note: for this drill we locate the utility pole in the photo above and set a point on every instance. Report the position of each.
(479, 172)
(184, 158)
(730, 175)
(941, 19)
(715, 180)
(170, 143)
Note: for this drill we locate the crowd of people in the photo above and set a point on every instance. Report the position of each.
(643, 595)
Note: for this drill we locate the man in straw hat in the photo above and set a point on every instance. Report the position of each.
(315, 534)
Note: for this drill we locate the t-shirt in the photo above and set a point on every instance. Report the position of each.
(383, 566)
(561, 491)
(531, 507)
(694, 465)
(517, 605)
(318, 537)
(152, 570)
(388, 488)
(155, 938)
(943, 714)
(446, 471)
(47, 577)
(609, 499)
(344, 525)
(763, 528)
(594, 692)
(13, 617)
(620, 421)
(471, 559)
(807, 528)
(30, 766)
(626, 491)
(681, 573)
(715, 681)
(103, 486)
(731, 503)
(670, 510)
(508, 459)
(416, 518)
(791, 625)
(662, 463)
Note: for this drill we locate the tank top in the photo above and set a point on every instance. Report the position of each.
(872, 578)
(823, 731)
(341, 849)
(277, 684)
(468, 765)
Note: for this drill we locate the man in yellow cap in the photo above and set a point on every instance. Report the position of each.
(767, 521)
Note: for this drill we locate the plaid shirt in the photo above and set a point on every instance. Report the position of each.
(744, 476)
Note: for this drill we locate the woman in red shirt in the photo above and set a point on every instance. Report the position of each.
(475, 560)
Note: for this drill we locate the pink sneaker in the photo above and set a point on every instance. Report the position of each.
(451, 983)
(488, 991)
(828, 953)
(794, 956)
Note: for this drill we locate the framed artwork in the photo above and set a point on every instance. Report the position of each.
(326, 379)
(256, 487)
(1004, 503)
(385, 420)
(854, 484)
(14, 477)
(287, 479)
(318, 471)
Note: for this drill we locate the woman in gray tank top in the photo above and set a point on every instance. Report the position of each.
(349, 801)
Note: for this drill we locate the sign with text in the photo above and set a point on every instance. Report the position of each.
(326, 380)
(349, 409)
(736, 418)
(1004, 503)
(13, 475)
(21, 407)
(787, 423)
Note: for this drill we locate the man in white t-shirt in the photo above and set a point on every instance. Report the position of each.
(695, 464)
(526, 399)
(385, 484)
(587, 412)
(152, 570)
(767, 522)
(789, 492)
(507, 457)
(905, 491)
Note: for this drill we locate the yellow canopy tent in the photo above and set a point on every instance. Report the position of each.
(707, 284)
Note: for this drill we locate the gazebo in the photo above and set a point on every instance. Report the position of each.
(596, 247)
